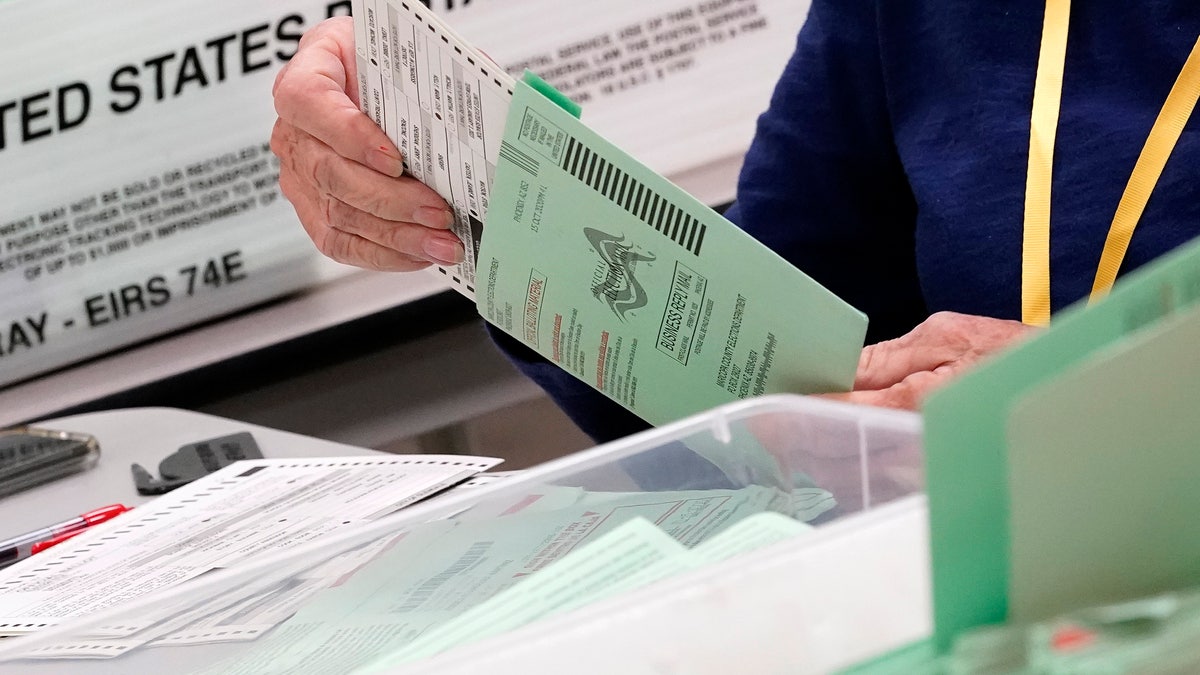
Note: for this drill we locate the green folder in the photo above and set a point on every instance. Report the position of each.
(965, 438)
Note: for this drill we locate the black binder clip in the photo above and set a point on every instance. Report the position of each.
(195, 460)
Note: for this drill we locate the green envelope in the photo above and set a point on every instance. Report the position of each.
(966, 450)
(636, 288)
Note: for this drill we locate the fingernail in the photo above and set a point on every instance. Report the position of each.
(444, 251)
(429, 216)
(385, 161)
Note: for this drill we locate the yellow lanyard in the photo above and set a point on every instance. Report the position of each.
(1047, 94)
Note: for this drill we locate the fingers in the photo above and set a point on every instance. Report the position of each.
(313, 92)
(413, 239)
(353, 250)
(900, 373)
(945, 337)
(926, 347)
(907, 394)
(358, 216)
(887, 363)
(349, 236)
(388, 197)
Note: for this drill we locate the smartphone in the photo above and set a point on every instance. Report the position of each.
(31, 456)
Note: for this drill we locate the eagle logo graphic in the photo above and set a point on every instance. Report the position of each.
(613, 282)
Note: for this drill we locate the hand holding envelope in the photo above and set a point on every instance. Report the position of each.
(343, 174)
(568, 243)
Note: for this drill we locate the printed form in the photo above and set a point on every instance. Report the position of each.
(443, 104)
(245, 614)
(248, 508)
(437, 572)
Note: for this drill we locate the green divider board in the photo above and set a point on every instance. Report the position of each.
(966, 451)
(1103, 464)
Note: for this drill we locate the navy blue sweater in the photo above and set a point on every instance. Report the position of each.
(891, 163)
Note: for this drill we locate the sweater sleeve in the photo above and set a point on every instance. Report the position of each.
(822, 185)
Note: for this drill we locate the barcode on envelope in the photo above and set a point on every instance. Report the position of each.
(426, 590)
(632, 195)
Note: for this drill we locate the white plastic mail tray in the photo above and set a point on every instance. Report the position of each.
(810, 458)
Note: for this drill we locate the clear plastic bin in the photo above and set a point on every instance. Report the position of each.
(809, 458)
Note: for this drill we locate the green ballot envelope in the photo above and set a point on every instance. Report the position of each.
(624, 280)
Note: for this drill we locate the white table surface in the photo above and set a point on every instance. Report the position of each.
(145, 436)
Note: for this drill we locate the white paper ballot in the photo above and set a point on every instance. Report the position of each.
(237, 615)
(242, 510)
(443, 104)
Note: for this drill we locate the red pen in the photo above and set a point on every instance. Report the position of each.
(25, 545)
(43, 545)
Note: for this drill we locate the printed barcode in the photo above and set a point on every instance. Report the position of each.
(519, 159)
(427, 589)
(630, 194)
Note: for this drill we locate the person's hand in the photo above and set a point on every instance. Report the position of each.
(342, 173)
(900, 373)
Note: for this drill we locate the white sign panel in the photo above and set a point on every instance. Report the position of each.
(138, 193)
(678, 84)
